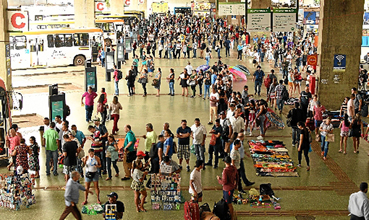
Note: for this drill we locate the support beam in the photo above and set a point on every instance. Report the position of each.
(337, 19)
(84, 11)
(4, 40)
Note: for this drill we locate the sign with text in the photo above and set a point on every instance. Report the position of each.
(18, 21)
(231, 8)
(258, 20)
(201, 6)
(312, 60)
(101, 7)
(339, 63)
(284, 20)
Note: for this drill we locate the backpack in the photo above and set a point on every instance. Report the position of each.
(191, 211)
(120, 74)
(285, 81)
(153, 151)
(285, 95)
(221, 210)
(267, 81)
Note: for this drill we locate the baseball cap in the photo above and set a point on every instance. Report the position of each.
(96, 119)
(141, 153)
(113, 194)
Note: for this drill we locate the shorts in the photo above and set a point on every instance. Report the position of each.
(137, 186)
(67, 170)
(94, 179)
(344, 133)
(199, 195)
(317, 123)
(228, 196)
(252, 117)
(290, 84)
(183, 152)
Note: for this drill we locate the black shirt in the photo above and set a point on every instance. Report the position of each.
(70, 147)
(120, 206)
(305, 96)
(184, 141)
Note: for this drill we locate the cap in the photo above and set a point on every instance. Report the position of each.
(96, 119)
(113, 194)
(141, 153)
(222, 113)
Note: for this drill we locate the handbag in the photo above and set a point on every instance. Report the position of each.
(90, 175)
(318, 138)
(329, 138)
(213, 140)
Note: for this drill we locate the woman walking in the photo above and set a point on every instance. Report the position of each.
(357, 129)
(130, 82)
(34, 163)
(112, 156)
(137, 185)
(207, 56)
(325, 128)
(345, 131)
(21, 156)
(304, 144)
(143, 81)
(115, 107)
(157, 85)
(170, 79)
(92, 164)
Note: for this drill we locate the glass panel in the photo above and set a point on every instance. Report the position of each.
(59, 40)
(50, 40)
(20, 42)
(68, 40)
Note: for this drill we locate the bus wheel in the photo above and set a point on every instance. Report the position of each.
(79, 61)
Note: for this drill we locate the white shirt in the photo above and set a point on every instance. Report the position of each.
(237, 124)
(198, 133)
(350, 104)
(196, 177)
(235, 155)
(214, 96)
(189, 69)
(359, 205)
(229, 114)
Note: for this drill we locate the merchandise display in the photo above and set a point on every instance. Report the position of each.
(165, 192)
(16, 190)
(271, 159)
(92, 209)
(120, 146)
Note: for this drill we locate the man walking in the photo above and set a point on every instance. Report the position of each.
(129, 152)
(195, 188)
(359, 204)
(199, 136)
(296, 115)
(150, 139)
(227, 45)
(214, 100)
(70, 152)
(51, 140)
(242, 173)
(258, 79)
(104, 138)
(71, 197)
(90, 95)
(183, 135)
(278, 95)
(305, 97)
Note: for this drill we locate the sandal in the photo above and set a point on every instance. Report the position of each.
(107, 179)
(98, 202)
(308, 168)
(340, 151)
(324, 158)
(346, 153)
(355, 152)
(84, 203)
(143, 210)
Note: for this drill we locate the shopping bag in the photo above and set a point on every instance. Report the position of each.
(329, 138)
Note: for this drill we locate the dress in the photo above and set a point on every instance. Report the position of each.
(33, 160)
(356, 129)
(159, 79)
(21, 157)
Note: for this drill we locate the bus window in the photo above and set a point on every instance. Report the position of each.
(81, 39)
(41, 45)
(59, 40)
(39, 17)
(50, 40)
(68, 40)
(20, 42)
(32, 45)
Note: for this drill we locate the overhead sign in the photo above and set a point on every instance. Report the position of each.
(127, 3)
(339, 63)
(258, 20)
(18, 21)
(312, 60)
(159, 7)
(231, 8)
(201, 6)
(284, 20)
(101, 7)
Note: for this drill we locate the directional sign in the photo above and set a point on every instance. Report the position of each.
(258, 20)
(339, 63)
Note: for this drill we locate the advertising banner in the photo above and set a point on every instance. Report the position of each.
(231, 8)
(258, 20)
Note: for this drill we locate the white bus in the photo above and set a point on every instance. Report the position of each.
(112, 28)
(52, 47)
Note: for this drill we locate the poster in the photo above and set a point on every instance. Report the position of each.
(57, 108)
(258, 20)
(339, 63)
(197, 6)
(311, 17)
(91, 79)
(366, 18)
(284, 20)
(231, 8)
(159, 7)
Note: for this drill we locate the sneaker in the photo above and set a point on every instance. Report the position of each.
(208, 163)
(293, 145)
(48, 174)
(188, 168)
(299, 165)
(250, 134)
(215, 166)
(210, 123)
(56, 174)
(260, 137)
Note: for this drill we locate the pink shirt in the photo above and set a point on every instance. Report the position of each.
(319, 113)
(116, 76)
(14, 141)
(89, 98)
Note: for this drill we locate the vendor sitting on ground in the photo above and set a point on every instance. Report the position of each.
(168, 166)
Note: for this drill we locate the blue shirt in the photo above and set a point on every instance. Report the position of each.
(168, 141)
(259, 75)
(102, 54)
(213, 78)
(72, 192)
(239, 47)
(80, 136)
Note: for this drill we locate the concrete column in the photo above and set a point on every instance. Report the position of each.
(340, 31)
(5, 71)
(84, 11)
(117, 7)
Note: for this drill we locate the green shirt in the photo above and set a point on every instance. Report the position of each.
(114, 153)
(130, 137)
(150, 139)
(51, 136)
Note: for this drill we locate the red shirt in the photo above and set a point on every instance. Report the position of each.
(14, 141)
(229, 178)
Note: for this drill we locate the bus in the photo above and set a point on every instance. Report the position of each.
(128, 19)
(140, 14)
(52, 47)
(112, 28)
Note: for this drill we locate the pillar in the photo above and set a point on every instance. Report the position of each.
(117, 7)
(5, 69)
(84, 13)
(340, 31)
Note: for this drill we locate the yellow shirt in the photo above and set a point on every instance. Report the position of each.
(151, 138)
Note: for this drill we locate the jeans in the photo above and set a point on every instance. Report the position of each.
(130, 90)
(153, 53)
(218, 53)
(207, 91)
(306, 154)
(280, 104)
(199, 151)
(108, 166)
(54, 156)
(285, 73)
(193, 90)
(207, 60)
(116, 119)
(295, 135)
(89, 110)
(103, 116)
(99, 154)
(276, 63)
(262, 124)
(116, 88)
(102, 62)
(227, 51)
(200, 88)
(257, 87)
(188, 54)
(170, 54)
(194, 53)
(239, 56)
(214, 149)
(262, 55)
(242, 175)
(144, 88)
(324, 146)
(171, 88)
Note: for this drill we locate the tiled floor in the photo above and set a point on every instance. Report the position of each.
(322, 192)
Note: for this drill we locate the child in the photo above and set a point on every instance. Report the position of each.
(345, 130)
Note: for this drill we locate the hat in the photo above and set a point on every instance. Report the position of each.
(73, 132)
(141, 153)
(222, 113)
(96, 119)
(227, 159)
(113, 194)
